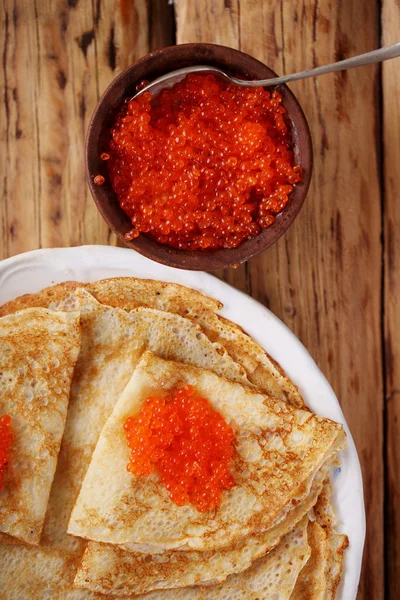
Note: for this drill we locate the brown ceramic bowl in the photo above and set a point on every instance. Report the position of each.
(151, 66)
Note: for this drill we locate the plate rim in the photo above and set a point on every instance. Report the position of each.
(202, 281)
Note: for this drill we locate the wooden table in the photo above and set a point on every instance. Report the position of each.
(334, 278)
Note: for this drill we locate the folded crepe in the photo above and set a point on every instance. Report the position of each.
(261, 369)
(113, 341)
(128, 293)
(38, 352)
(271, 577)
(320, 577)
(109, 569)
(34, 573)
(337, 542)
(312, 583)
(279, 450)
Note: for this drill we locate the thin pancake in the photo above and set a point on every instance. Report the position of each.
(262, 370)
(49, 297)
(34, 573)
(337, 543)
(129, 293)
(278, 449)
(109, 569)
(312, 582)
(37, 574)
(271, 577)
(38, 351)
(113, 342)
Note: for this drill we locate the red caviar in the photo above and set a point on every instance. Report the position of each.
(206, 165)
(5, 442)
(99, 180)
(187, 442)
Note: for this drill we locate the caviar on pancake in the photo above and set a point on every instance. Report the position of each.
(205, 165)
(5, 443)
(188, 443)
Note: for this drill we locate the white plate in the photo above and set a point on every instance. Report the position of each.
(30, 272)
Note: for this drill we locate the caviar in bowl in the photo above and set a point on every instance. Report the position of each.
(193, 188)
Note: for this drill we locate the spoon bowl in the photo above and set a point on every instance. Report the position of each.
(170, 79)
(124, 87)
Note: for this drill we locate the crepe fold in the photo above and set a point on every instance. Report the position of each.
(138, 515)
(110, 569)
(38, 352)
(272, 576)
(129, 293)
(279, 449)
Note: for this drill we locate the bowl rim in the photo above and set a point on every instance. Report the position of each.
(197, 259)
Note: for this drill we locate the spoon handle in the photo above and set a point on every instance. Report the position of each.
(356, 61)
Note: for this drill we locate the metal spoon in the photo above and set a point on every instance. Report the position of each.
(170, 79)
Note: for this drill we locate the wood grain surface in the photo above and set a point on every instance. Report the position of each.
(334, 279)
(391, 240)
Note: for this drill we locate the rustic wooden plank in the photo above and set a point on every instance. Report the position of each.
(391, 153)
(59, 57)
(337, 279)
(19, 130)
(323, 278)
(209, 21)
(122, 37)
(161, 24)
(67, 71)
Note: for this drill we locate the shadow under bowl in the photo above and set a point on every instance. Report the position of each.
(124, 86)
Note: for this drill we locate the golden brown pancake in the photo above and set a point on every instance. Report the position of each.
(113, 342)
(106, 568)
(337, 543)
(33, 574)
(129, 293)
(312, 583)
(47, 298)
(262, 370)
(271, 577)
(320, 577)
(38, 351)
(278, 449)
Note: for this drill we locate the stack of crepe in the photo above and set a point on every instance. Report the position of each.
(77, 525)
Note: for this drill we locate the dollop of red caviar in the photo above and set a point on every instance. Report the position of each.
(5, 443)
(188, 443)
(206, 165)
